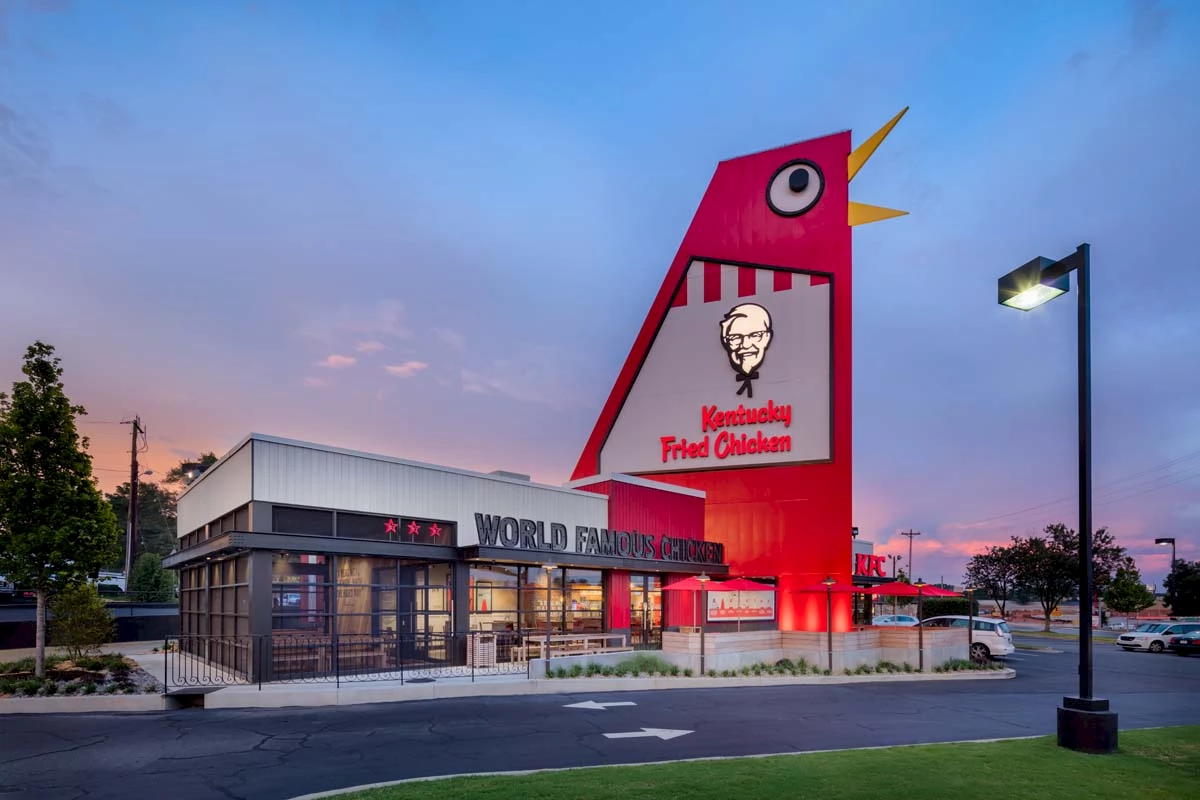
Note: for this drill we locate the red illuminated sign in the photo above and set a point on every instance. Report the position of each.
(726, 443)
(869, 566)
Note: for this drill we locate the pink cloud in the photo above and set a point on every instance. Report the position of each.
(371, 346)
(405, 370)
(311, 381)
(336, 361)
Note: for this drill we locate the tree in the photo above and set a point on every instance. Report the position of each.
(1127, 593)
(1046, 570)
(994, 574)
(948, 606)
(149, 582)
(1183, 589)
(177, 476)
(56, 530)
(156, 519)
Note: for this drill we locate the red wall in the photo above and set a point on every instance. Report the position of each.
(789, 521)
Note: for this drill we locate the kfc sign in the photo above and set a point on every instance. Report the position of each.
(738, 375)
(869, 566)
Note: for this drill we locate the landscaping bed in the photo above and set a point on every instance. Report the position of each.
(645, 665)
(106, 674)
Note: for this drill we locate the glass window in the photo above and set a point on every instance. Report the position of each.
(306, 521)
(584, 601)
(300, 589)
(494, 597)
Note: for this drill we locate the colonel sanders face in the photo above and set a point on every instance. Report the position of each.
(746, 335)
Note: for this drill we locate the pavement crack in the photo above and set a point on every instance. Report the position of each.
(95, 740)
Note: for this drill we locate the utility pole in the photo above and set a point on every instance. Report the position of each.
(910, 535)
(895, 577)
(131, 530)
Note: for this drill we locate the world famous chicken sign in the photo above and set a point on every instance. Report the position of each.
(738, 382)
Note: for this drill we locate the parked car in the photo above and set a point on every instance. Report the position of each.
(990, 638)
(895, 619)
(1155, 635)
(1185, 645)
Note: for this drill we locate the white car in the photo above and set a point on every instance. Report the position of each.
(1153, 636)
(894, 619)
(990, 638)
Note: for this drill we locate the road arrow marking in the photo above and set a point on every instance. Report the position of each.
(598, 706)
(661, 733)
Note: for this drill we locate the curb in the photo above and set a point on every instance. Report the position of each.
(383, 693)
(88, 704)
(335, 793)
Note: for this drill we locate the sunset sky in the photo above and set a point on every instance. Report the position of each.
(432, 230)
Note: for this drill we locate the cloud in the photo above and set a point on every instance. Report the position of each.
(533, 374)
(451, 338)
(371, 346)
(336, 361)
(405, 370)
(383, 318)
(315, 382)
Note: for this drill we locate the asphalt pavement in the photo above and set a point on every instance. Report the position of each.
(268, 754)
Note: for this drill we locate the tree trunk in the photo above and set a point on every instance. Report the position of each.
(40, 638)
(1046, 610)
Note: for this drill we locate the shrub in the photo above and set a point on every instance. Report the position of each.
(687, 672)
(576, 670)
(647, 663)
(88, 688)
(943, 606)
(908, 667)
(8, 686)
(81, 622)
(29, 687)
(607, 670)
(71, 688)
(50, 687)
(675, 670)
(864, 669)
(151, 689)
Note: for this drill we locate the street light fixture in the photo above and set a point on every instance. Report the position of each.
(704, 579)
(1165, 540)
(970, 590)
(829, 582)
(1085, 723)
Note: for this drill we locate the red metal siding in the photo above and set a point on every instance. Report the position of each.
(658, 511)
(616, 599)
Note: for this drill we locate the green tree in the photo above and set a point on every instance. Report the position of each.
(149, 582)
(82, 622)
(177, 476)
(56, 530)
(994, 574)
(156, 519)
(1046, 570)
(1127, 593)
(1183, 589)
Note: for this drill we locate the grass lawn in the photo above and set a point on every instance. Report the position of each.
(1151, 764)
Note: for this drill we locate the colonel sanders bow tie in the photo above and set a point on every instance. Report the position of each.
(746, 386)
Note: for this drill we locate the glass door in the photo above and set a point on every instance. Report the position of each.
(645, 612)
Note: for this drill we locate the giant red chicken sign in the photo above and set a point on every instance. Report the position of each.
(738, 383)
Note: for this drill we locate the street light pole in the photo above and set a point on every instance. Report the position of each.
(549, 569)
(1165, 540)
(1085, 723)
(703, 578)
(920, 625)
(829, 618)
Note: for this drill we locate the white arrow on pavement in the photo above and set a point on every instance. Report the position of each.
(661, 733)
(598, 706)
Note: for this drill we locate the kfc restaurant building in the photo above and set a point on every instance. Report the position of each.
(287, 538)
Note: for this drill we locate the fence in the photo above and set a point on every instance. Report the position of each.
(194, 662)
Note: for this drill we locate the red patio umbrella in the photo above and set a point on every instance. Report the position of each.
(835, 588)
(741, 585)
(937, 591)
(895, 589)
(692, 584)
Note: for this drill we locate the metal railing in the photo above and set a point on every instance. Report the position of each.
(196, 661)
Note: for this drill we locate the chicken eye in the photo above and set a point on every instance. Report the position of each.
(795, 188)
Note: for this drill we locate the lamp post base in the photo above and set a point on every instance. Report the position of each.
(1087, 726)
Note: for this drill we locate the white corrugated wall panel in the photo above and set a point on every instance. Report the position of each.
(304, 476)
(220, 489)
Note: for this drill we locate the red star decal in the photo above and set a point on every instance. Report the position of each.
(390, 526)
(434, 530)
(413, 528)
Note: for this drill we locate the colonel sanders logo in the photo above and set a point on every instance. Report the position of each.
(746, 335)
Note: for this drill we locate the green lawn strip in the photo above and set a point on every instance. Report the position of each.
(1151, 764)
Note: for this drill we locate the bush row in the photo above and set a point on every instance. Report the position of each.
(653, 666)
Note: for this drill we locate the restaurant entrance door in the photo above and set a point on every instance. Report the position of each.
(645, 612)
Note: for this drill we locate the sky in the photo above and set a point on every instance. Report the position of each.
(433, 229)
